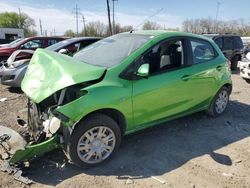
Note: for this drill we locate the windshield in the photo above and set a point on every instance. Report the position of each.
(14, 43)
(59, 45)
(112, 50)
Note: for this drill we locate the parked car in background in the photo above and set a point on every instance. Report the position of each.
(119, 85)
(31, 43)
(231, 46)
(245, 67)
(11, 43)
(12, 72)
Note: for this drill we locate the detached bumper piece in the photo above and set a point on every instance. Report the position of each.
(14, 150)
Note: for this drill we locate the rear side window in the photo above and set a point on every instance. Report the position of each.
(202, 51)
(238, 44)
(228, 43)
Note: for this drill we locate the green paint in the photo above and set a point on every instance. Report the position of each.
(32, 151)
(144, 102)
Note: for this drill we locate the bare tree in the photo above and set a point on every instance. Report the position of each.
(209, 25)
(148, 25)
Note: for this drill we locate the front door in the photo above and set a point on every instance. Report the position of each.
(174, 86)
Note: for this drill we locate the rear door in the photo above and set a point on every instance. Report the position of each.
(205, 72)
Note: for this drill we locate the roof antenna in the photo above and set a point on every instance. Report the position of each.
(149, 17)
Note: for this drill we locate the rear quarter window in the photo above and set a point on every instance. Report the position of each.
(202, 51)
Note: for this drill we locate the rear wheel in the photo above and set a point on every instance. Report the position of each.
(94, 141)
(219, 103)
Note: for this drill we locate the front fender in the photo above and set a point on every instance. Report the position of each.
(97, 98)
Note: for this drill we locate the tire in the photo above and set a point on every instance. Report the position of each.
(216, 104)
(247, 80)
(94, 145)
(234, 62)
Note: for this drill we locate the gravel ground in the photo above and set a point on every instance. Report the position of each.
(194, 151)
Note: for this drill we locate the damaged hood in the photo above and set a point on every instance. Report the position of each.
(49, 72)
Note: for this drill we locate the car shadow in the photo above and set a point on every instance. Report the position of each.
(159, 150)
(16, 90)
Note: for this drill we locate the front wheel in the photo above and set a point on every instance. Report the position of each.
(94, 141)
(219, 103)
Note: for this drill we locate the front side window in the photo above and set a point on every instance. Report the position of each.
(111, 51)
(167, 55)
(72, 48)
(33, 44)
(202, 51)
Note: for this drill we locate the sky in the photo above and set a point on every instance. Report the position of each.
(57, 15)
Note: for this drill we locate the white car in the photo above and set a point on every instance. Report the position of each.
(245, 67)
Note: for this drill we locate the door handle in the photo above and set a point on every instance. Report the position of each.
(218, 68)
(185, 77)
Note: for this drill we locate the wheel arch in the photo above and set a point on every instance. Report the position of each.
(116, 115)
(229, 86)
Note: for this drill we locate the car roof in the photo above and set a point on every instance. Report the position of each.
(166, 33)
(220, 35)
(83, 38)
(44, 37)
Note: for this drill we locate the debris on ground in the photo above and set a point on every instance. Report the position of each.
(16, 172)
(3, 99)
(237, 161)
(227, 174)
(129, 181)
(158, 179)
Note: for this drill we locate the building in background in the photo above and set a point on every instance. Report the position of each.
(9, 34)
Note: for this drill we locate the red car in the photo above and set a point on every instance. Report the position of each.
(31, 43)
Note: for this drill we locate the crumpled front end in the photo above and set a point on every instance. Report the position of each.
(52, 80)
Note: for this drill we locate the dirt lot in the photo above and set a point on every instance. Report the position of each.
(194, 151)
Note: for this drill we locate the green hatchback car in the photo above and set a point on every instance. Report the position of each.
(119, 85)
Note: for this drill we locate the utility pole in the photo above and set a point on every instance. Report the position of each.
(84, 25)
(76, 12)
(41, 27)
(114, 15)
(108, 9)
(19, 15)
(216, 17)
